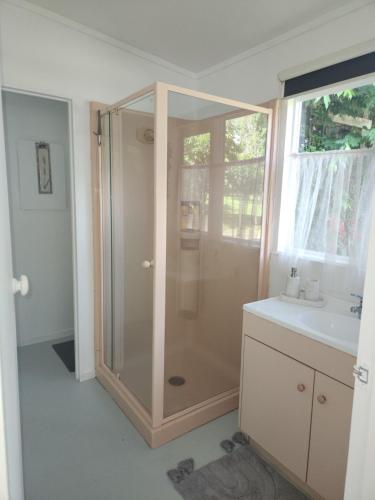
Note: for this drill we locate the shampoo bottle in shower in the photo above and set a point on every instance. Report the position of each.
(293, 284)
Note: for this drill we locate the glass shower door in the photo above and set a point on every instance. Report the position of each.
(128, 224)
(216, 180)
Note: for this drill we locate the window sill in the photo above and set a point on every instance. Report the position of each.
(316, 257)
(240, 241)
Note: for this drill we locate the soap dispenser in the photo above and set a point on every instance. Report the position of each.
(293, 284)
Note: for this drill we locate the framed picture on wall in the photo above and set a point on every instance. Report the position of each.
(43, 161)
(42, 174)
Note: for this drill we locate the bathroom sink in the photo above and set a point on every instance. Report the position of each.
(339, 326)
(332, 324)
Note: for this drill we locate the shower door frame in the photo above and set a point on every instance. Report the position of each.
(154, 427)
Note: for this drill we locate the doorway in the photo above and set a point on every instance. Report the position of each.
(38, 163)
(38, 154)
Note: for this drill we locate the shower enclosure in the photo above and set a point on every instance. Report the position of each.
(180, 182)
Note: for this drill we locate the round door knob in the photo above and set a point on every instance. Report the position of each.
(322, 399)
(301, 387)
(21, 285)
(146, 264)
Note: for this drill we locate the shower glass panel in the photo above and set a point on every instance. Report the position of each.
(216, 170)
(130, 241)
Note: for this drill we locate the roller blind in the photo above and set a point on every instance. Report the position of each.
(352, 68)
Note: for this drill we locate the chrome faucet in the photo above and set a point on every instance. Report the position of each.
(357, 309)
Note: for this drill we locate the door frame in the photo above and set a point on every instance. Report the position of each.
(360, 479)
(11, 468)
(73, 215)
(11, 472)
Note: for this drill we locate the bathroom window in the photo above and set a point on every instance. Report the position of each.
(245, 137)
(194, 199)
(329, 175)
(244, 160)
(195, 182)
(343, 120)
(243, 201)
(197, 149)
(229, 157)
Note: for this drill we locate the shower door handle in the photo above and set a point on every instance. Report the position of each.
(147, 264)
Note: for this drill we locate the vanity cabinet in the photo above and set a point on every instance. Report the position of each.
(276, 404)
(292, 409)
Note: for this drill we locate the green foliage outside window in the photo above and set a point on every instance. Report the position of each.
(243, 201)
(197, 149)
(344, 120)
(245, 137)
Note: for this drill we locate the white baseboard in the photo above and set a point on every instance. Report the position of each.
(61, 335)
(87, 376)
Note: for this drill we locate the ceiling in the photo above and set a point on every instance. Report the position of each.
(193, 34)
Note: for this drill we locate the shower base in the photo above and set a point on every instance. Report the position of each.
(204, 379)
(208, 392)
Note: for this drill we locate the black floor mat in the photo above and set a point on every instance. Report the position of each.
(65, 351)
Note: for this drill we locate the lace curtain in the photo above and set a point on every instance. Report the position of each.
(325, 217)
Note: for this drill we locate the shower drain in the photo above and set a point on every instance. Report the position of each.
(176, 380)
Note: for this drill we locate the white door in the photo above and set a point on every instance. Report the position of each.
(360, 478)
(11, 480)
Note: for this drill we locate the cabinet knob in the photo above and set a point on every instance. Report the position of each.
(322, 399)
(301, 387)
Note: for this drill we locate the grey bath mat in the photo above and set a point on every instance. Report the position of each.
(240, 475)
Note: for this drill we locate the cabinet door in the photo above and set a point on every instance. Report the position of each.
(330, 429)
(276, 401)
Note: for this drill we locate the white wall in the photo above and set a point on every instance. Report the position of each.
(41, 54)
(41, 236)
(45, 54)
(254, 78)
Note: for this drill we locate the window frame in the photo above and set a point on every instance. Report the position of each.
(190, 130)
(291, 128)
(217, 130)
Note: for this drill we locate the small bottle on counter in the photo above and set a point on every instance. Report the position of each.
(293, 284)
(312, 290)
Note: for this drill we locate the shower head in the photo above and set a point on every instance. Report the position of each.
(145, 135)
